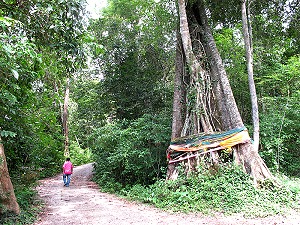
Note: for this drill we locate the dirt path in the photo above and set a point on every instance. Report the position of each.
(83, 204)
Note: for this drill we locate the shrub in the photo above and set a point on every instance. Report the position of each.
(280, 136)
(229, 191)
(131, 153)
(80, 156)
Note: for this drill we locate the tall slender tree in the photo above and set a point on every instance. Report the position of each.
(249, 59)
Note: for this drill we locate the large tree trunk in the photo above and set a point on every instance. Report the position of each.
(197, 116)
(8, 201)
(245, 154)
(222, 108)
(249, 60)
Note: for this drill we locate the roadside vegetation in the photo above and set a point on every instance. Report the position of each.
(226, 189)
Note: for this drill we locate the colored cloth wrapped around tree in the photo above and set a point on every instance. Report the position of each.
(204, 143)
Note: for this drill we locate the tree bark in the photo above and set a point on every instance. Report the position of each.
(8, 201)
(197, 118)
(249, 60)
(226, 107)
(189, 94)
(179, 91)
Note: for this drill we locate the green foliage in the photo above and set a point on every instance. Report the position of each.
(80, 156)
(291, 183)
(26, 121)
(229, 191)
(130, 153)
(38, 143)
(278, 85)
(279, 117)
(40, 45)
(223, 13)
(5, 133)
(86, 109)
(280, 134)
(18, 58)
(283, 80)
(293, 30)
(137, 57)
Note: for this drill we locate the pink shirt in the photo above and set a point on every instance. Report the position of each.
(67, 167)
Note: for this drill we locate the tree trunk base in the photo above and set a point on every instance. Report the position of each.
(172, 171)
(244, 155)
(8, 201)
(190, 165)
(251, 162)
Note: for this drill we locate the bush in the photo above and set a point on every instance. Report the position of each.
(229, 191)
(131, 153)
(280, 136)
(80, 156)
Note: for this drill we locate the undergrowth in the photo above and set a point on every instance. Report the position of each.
(80, 156)
(228, 191)
(30, 206)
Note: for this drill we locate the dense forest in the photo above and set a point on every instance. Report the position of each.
(103, 90)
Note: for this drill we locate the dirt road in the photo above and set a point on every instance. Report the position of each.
(83, 204)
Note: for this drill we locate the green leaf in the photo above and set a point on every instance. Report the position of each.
(6, 20)
(9, 96)
(15, 73)
(5, 133)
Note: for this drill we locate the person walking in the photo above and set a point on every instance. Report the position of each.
(67, 172)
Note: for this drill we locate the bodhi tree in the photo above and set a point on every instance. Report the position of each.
(203, 99)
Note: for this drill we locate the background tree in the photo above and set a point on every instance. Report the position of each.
(271, 44)
(135, 53)
(135, 60)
